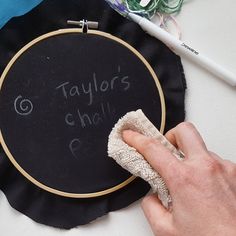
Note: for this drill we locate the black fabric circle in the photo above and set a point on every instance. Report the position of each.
(51, 209)
(59, 101)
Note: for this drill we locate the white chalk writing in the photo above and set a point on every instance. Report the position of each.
(94, 86)
(22, 106)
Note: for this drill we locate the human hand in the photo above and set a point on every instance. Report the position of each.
(202, 186)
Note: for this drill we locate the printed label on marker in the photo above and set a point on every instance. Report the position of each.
(189, 48)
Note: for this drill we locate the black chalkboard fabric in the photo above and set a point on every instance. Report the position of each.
(56, 119)
(61, 95)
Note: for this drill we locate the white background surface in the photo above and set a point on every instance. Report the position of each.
(208, 26)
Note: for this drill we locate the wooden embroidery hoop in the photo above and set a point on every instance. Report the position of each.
(95, 32)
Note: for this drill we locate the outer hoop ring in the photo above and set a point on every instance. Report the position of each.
(106, 35)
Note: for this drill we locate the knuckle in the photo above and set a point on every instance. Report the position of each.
(213, 166)
(186, 125)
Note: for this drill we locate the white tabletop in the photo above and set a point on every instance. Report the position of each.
(208, 26)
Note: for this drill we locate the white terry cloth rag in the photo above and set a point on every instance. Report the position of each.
(134, 162)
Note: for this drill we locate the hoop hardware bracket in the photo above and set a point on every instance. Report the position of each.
(84, 24)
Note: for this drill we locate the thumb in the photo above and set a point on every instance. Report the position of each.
(159, 218)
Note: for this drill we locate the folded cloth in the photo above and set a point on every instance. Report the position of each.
(134, 162)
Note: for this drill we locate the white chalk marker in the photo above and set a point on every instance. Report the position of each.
(180, 48)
